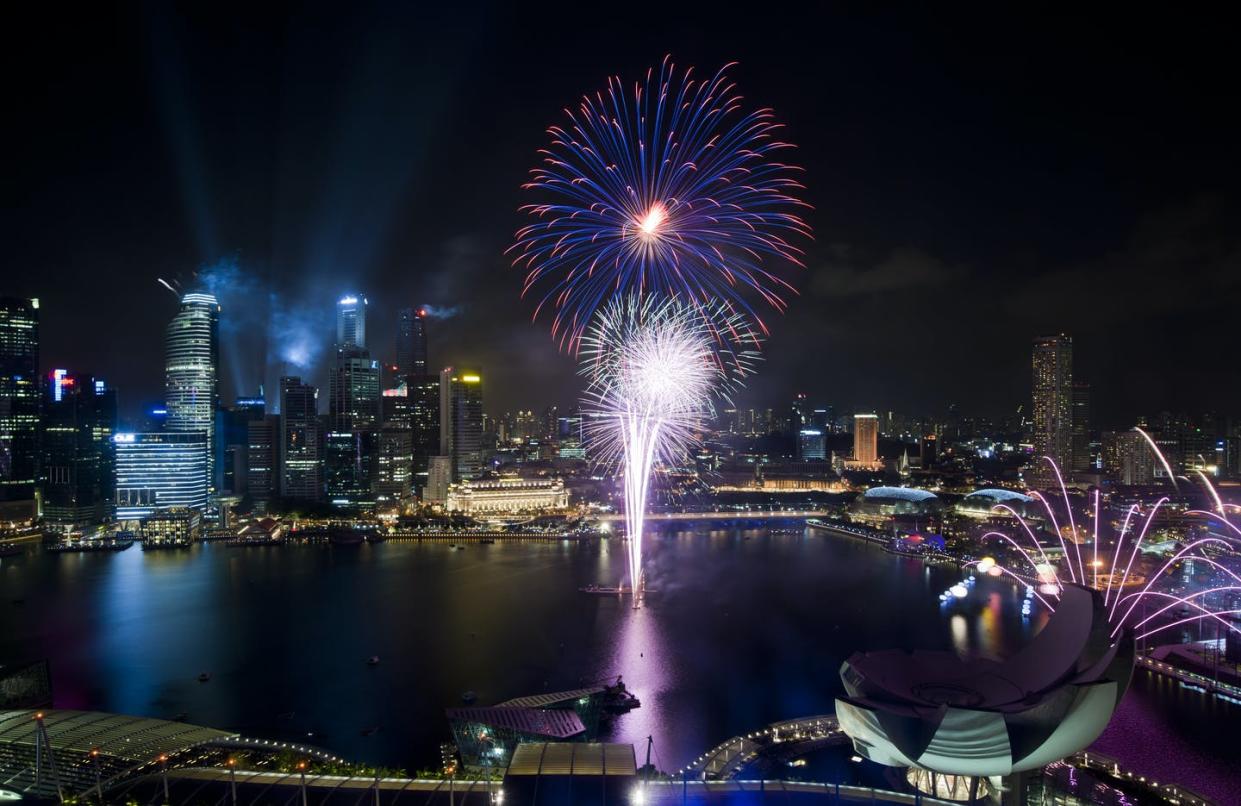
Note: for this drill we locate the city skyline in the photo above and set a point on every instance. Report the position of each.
(945, 259)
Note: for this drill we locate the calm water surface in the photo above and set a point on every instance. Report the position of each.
(746, 628)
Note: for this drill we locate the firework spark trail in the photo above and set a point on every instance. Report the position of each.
(654, 369)
(1122, 606)
(672, 190)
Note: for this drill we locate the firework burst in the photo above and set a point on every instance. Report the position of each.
(670, 189)
(654, 370)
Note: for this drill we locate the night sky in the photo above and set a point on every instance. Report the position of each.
(978, 179)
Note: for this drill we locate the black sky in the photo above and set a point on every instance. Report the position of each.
(978, 177)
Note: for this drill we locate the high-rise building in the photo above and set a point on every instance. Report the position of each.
(191, 371)
(232, 441)
(461, 421)
(1082, 455)
(411, 342)
(351, 322)
(77, 471)
(866, 439)
(811, 444)
(928, 450)
(263, 459)
(159, 471)
(19, 402)
(354, 391)
(439, 477)
(350, 465)
(301, 465)
(393, 475)
(1052, 393)
(424, 415)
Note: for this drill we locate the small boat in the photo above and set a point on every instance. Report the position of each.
(460, 548)
(373, 660)
(204, 677)
(468, 697)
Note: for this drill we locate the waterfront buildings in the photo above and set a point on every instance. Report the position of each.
(1052, 398)
(507, 496)
(171, 527)
(232, 444)
(411, 342)
(19, 406)
(191, 371)
(159, 470)
(865, 443)
(77, 471)
(300, 441)
(350, 465)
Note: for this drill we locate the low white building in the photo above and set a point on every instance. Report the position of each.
(507, 496)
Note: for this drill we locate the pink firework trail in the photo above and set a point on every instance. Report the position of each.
(1124, 587)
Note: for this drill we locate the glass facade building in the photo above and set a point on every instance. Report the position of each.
(159, 471)
(411, 342)
(300, 441)
(351, 322)
(77, 472)
(191, 373)
(461, 421)
(19, 398)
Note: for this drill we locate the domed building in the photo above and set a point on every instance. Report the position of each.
(879, 505)
(983, 503)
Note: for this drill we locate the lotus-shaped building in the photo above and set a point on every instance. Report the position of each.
(979, 717)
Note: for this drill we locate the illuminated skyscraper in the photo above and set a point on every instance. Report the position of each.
(866, 439)
(191, 370)
(158, 471)
(1052, 387)
(424, 414)
(461, 421)
(301, 465)
(411, 342)
(354, 391)
(19, 399)
(351, 322)
(811, 444)
(77, 472)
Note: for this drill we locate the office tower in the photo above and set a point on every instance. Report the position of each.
(1052, 392)
(394, 472)
(396, 407)
(411, 342)
(439, 476)
(263, 459)
(1128, 458)
(1082, 457)
(77, 471)
(19, 405)
(866, 439)
(811, 444)
(354, 391)
(349, 463)
(158, 471)
(191, 371)
(351, 322)
(929, 450)
(461, 421)
(424, 414)
(300, 457)
(232, 441)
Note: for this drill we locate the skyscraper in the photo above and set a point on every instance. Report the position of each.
(301, 465)
(19, 399)
(263, 459)
(159, 471)
(354, 391)
(1052, 393)
(411, 342)
(351, 322)
(191, 370)
(1082, 457)
(424, 414)
(866, 439)
(461, 421)
(77, 472)
(811, 444)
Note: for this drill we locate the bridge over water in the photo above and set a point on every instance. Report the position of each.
(752, 515)
(789, 738)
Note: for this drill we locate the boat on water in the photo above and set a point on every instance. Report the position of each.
(204, 677)
(373, 660)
